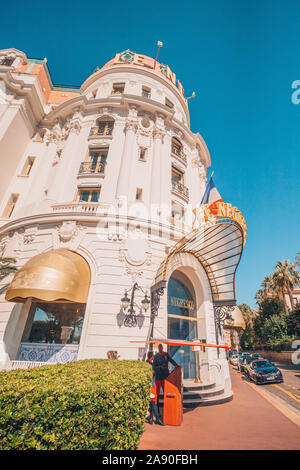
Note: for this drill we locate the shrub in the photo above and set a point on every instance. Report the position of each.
(91, 404)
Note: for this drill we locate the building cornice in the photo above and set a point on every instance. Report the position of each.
(115, 102)
(25, 89)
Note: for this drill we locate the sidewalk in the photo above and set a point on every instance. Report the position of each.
(249, 421)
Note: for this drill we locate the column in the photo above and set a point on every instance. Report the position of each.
(165, 168)
(124, 174)
(155, 189)
(114, 160)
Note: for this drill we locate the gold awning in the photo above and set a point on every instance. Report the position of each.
(53, 276)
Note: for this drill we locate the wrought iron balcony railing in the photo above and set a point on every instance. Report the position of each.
(100, 131)
(92, 168)
(178, 153)
(180, 189)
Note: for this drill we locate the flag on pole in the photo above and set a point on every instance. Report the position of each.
(211, 196)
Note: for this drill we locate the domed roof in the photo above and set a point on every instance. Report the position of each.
(130, 57)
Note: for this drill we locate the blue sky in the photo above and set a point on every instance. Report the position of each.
(239, 56)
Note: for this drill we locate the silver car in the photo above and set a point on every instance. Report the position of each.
(234, 360)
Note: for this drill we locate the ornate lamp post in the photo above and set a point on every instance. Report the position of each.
(156, 292)
(127, 304)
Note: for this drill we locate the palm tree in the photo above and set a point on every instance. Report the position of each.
(5, 267)
(260, 296)
(267, 289)
(286, 278)
(267, 285)
(298, 259)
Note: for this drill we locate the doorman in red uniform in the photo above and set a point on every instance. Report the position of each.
(161, 368)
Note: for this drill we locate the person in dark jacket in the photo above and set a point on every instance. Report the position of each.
(153, 410)
(161, 369)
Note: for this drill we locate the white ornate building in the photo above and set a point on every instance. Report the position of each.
(107, 174)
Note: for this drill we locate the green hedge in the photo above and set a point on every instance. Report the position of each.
(90, 404)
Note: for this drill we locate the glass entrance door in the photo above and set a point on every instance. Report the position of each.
(182, 322)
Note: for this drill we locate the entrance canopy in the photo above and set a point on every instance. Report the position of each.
(55, 276)
(217, 244)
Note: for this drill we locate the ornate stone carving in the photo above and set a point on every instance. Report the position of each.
(131, 125)
(178, 133)
(3, 244)
(196, 163)
(135, 274)
(29, 238)
(135, 250)
(159, 134)
(105, 110)
(69, 234)
(68, 230)
(127, 56)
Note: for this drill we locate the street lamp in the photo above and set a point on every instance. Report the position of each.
(127, 305)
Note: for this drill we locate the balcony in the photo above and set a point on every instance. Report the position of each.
(91, 208)
(99, 131)
(180, 190)
(178, 153)
(88, 168)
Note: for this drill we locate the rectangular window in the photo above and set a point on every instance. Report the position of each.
(28, 166)
(146, 92)
(105, 127)
(96, 161)
(177, 176)
(54, 323)
(142, 154)
(88, 195)
(118, 88)
(169, 103)
(10, 205)
(139, 193)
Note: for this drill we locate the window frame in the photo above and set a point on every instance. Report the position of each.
(91, 189)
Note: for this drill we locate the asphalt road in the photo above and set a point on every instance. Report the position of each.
(289, 390)
(248, 422)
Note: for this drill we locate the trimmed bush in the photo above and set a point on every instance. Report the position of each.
(91, 404)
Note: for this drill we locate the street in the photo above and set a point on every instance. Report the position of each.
(289, 390)
(250, 421)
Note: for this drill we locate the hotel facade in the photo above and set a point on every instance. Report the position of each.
(99, 205)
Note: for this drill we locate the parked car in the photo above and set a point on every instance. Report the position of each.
(263, 371)
(245, 364)
(256, 356)
(234, 359)
(242, 358)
